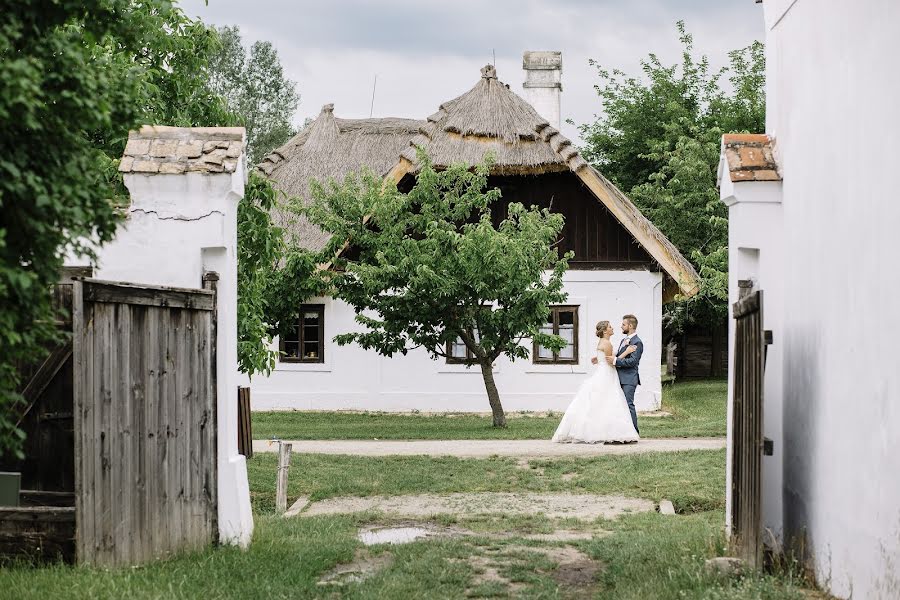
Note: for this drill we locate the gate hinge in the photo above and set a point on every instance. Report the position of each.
(768, 336)
(768, 447)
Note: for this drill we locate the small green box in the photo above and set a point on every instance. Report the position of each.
(9, 488)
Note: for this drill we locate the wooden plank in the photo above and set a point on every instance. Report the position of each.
(746, 305)
(113, 292)
(107, 375)
(137, 374)
(67, 274)
(175, 398)
(166, 387)
(124, 462)
(45, 374)
(80, 355)
(43, 533)
(153, 375)
(46, 498)
(281, 482)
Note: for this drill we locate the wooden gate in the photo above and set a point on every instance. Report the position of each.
(747, 449)
(144, 421)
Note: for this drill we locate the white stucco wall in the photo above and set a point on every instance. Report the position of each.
(352, 378)
(178, 227)
(755, 243)
(833, 85)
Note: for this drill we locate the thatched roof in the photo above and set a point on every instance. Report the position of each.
(491, 118)
(330, 148)
(487, 118)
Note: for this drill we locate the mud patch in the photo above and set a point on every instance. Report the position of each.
(577, 506)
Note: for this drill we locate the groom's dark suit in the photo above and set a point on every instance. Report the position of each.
(629, 377)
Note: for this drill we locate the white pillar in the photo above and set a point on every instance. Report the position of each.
(185, 185)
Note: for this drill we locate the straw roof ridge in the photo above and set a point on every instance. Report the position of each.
(330, 148)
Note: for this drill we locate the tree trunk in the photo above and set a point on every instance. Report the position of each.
(487, 371)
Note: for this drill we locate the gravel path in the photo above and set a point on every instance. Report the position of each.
(487, 448)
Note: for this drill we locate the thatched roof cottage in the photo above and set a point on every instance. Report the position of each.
(622, 264)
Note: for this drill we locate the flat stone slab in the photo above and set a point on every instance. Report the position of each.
(578, 506)
(488, 448)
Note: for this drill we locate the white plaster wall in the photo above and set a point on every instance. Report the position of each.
(178, 227)
(755, 243)
(352, 378)
(835, 68)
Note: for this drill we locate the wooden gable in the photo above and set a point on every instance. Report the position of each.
(591, 231)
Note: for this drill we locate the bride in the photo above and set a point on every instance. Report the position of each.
(599, 412)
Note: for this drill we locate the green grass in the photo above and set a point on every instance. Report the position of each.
(692, 480)
(642, 555)
(698, 410)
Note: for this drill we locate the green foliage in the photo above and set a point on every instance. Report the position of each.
(256, 90)
(659, 139)
(431, 266)
(74, 78)
(260, 248)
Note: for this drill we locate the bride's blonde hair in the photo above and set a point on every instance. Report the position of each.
(601, 327)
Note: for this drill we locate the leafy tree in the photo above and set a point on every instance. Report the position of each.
(431, 268)
(659, 138)
(74, 78)
(256, 90)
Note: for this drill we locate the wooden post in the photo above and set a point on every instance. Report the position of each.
(284, 465)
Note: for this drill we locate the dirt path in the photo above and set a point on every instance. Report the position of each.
(487, 448)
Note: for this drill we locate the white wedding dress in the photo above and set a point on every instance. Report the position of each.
(598, 413)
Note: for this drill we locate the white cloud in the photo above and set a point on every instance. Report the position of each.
(425, 53)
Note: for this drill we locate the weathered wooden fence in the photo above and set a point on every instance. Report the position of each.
(145, 421)
(747, 449)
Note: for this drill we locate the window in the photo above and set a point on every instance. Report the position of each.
(306, 342)
(562, 321)
(458, 353)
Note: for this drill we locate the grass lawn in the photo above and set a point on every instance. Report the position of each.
(693, 480)
(698, 410)
(642, 556)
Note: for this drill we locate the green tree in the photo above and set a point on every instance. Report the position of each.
(658, 138)
(256, 90)
(74, 78)
(430, 267)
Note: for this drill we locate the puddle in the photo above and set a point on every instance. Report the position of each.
(392, 535)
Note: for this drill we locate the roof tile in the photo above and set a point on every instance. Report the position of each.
(175, 150)
(750, 157)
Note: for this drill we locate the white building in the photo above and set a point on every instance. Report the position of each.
(622, 263)
(818, 238)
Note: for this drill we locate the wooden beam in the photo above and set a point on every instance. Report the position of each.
(147, 295)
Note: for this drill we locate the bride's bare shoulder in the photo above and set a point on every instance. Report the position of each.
(605, 345)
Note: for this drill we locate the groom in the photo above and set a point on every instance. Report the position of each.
(627, 367)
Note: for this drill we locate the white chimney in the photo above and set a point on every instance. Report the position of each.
(543, 82)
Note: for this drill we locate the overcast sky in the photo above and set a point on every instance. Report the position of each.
(427, 52)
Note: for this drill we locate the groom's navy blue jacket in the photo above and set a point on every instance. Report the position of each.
(628, 367)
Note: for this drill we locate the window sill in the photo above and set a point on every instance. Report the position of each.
(463, 369)
(562, 369)
(322, 367)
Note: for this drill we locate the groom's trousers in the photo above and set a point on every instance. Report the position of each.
(629, 397)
